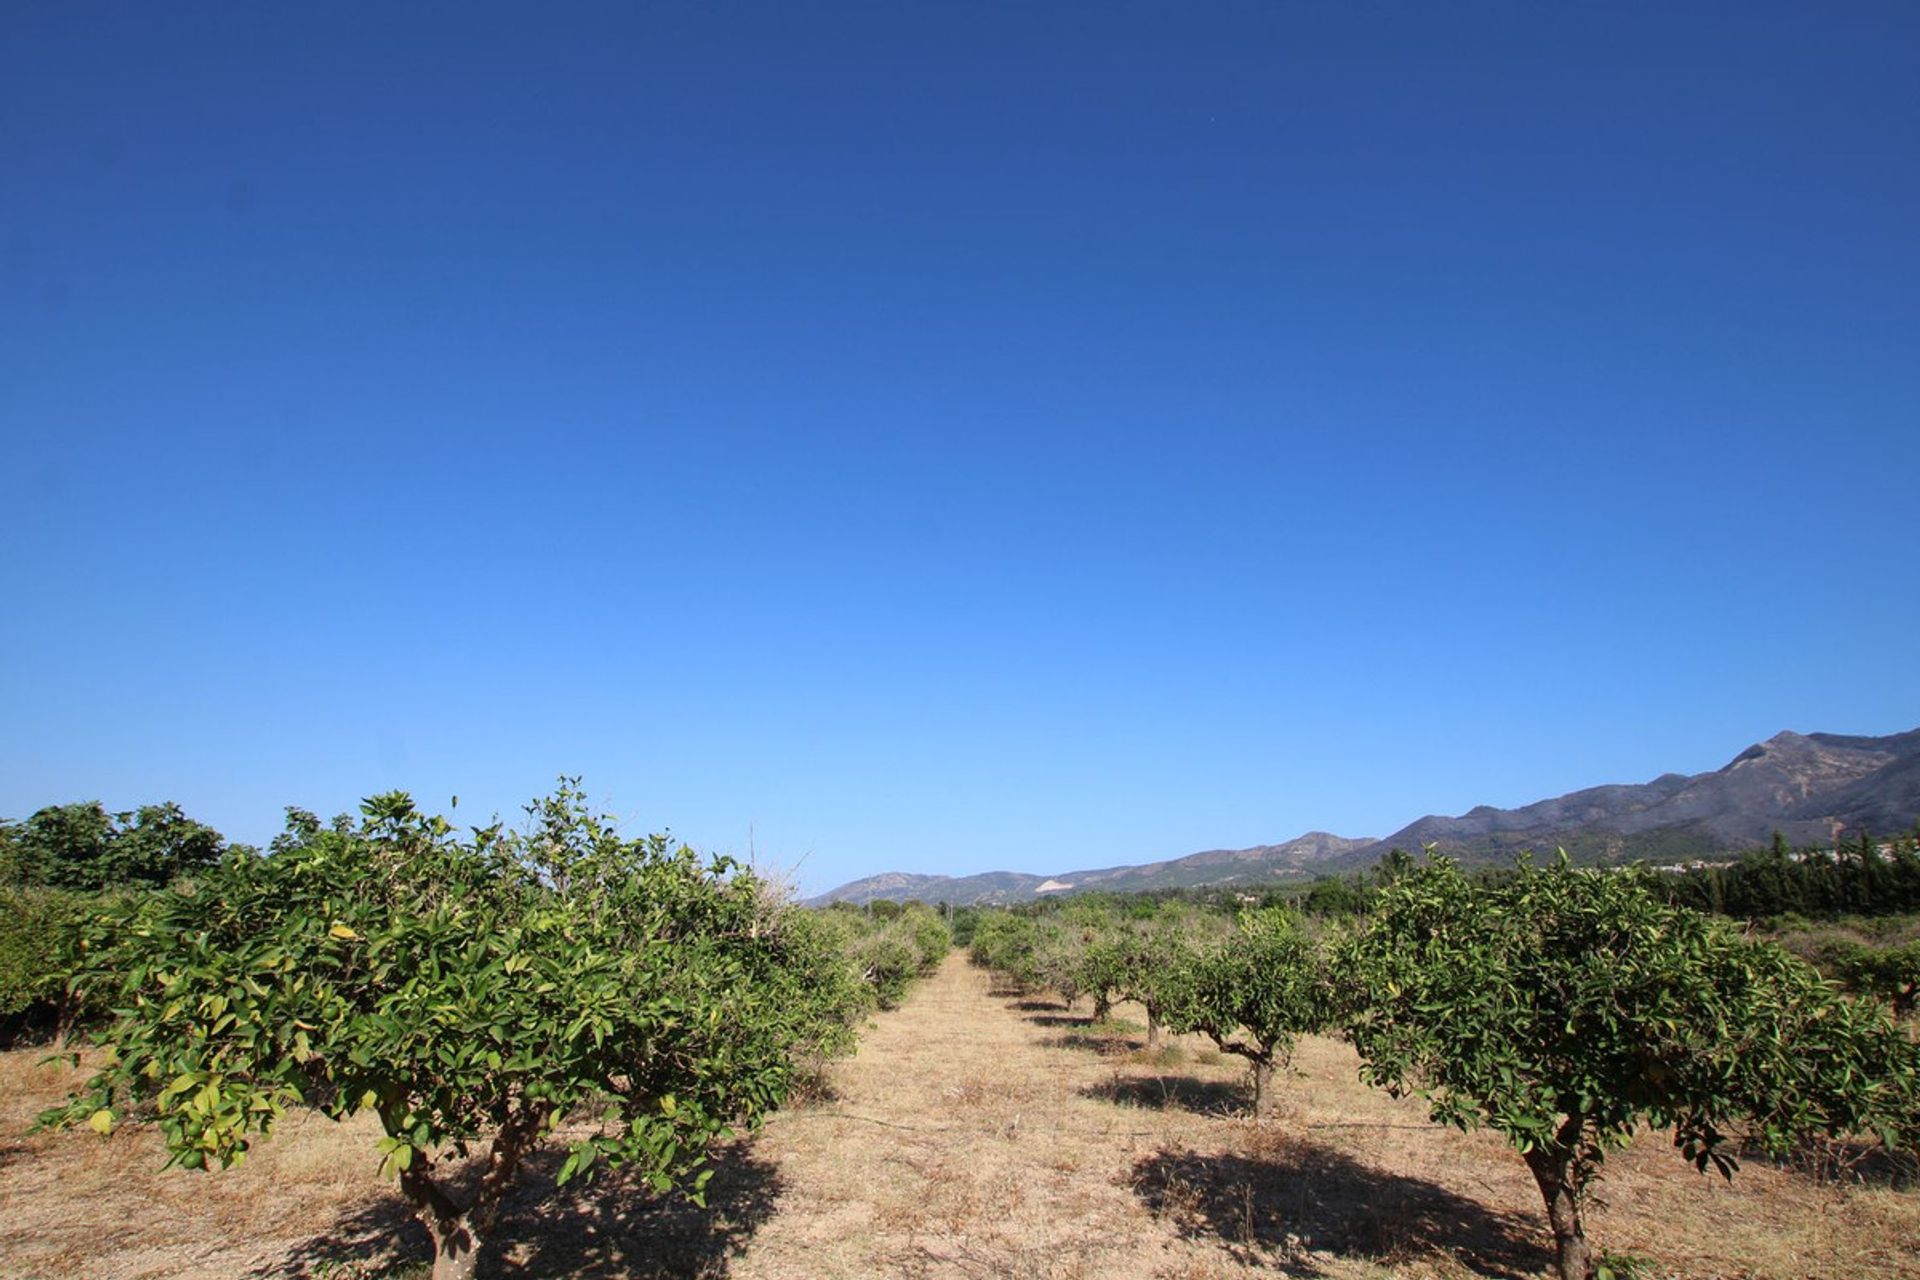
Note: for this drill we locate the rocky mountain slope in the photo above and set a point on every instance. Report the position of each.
(1812, 787)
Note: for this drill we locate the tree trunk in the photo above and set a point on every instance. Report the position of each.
(1153, 1026)
(456, 1248)
(1262, 1088)
(457, 1230)
(1560, 1188)
(451, 1227)
(1102, 1007)
(66, 1021)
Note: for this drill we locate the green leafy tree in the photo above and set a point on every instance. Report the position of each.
(1254, 994)
(1003, 942)
(38, 929)
(1153, 951)
(1054, 963)
(890, 951)
(1103, 970)
(473, 992)
(1891, 974)
(1563, 1008)
(83, 847)
(932, 937)
(888, 963)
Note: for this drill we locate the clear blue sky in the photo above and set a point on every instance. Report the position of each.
(953, 437)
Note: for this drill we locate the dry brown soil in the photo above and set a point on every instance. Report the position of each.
(974, 1134)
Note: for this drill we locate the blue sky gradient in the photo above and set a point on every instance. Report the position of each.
(951, 437)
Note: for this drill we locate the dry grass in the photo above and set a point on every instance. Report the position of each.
(74, 1204)
(974, 1134)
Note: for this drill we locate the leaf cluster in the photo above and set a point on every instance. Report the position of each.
(1564, 1007)
(1256, 991)
(457, 985)
(1891, 974)
(82, 847)
(37, 930)
(890, 950)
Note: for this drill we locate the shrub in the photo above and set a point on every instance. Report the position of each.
(1891, 974)
(1564, 1008)
(38, 933)
(1254, 994)
(472, 993)
(83, 847)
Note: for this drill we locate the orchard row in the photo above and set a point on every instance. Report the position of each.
(1561, 1007)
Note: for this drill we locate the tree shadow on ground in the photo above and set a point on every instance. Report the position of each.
(1060, 1019)
(1104, 1046)
(1175, 1093)
(1038, 1006)
(1835, 1161)
(613, 1228)
(1304, 1199)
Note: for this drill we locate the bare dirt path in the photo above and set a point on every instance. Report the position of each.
(969, 1137)
(974, 1134)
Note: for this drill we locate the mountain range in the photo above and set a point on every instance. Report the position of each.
(1813, 788)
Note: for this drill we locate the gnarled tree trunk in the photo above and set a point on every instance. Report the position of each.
(456, 1246)
(1260, 1057)
(1153, 1026)
(458, 1231)
(1558, 1176)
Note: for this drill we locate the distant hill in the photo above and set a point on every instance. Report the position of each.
(1812, 787)
(1262, 864)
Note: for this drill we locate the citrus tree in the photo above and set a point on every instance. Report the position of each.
(1154, 954)
(472, 991)
(37, 928)
(83, 847)
(1003, 942)
(1891, 974)
(1254, 993)
(893, 952)
(1102, 967)
(1563, 1008)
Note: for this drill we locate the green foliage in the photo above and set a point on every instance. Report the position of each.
(960, 925)
(83, 847)
(1154, 951)
(1053, 962)
(1103, 968)
(893, 949)
(1622, 1266)
(1891, 974)
(1003, 942)
(818, 980)
(47, 864)
(1108, 946)
(1337, 896)
(931, 937)
(467, 990)
(38, 930)
(1255, 992)
(1033, 951)
(888, 963)
(1563, 1008)
(1862, 876)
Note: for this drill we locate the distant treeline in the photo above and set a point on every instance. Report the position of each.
(1865, 876)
